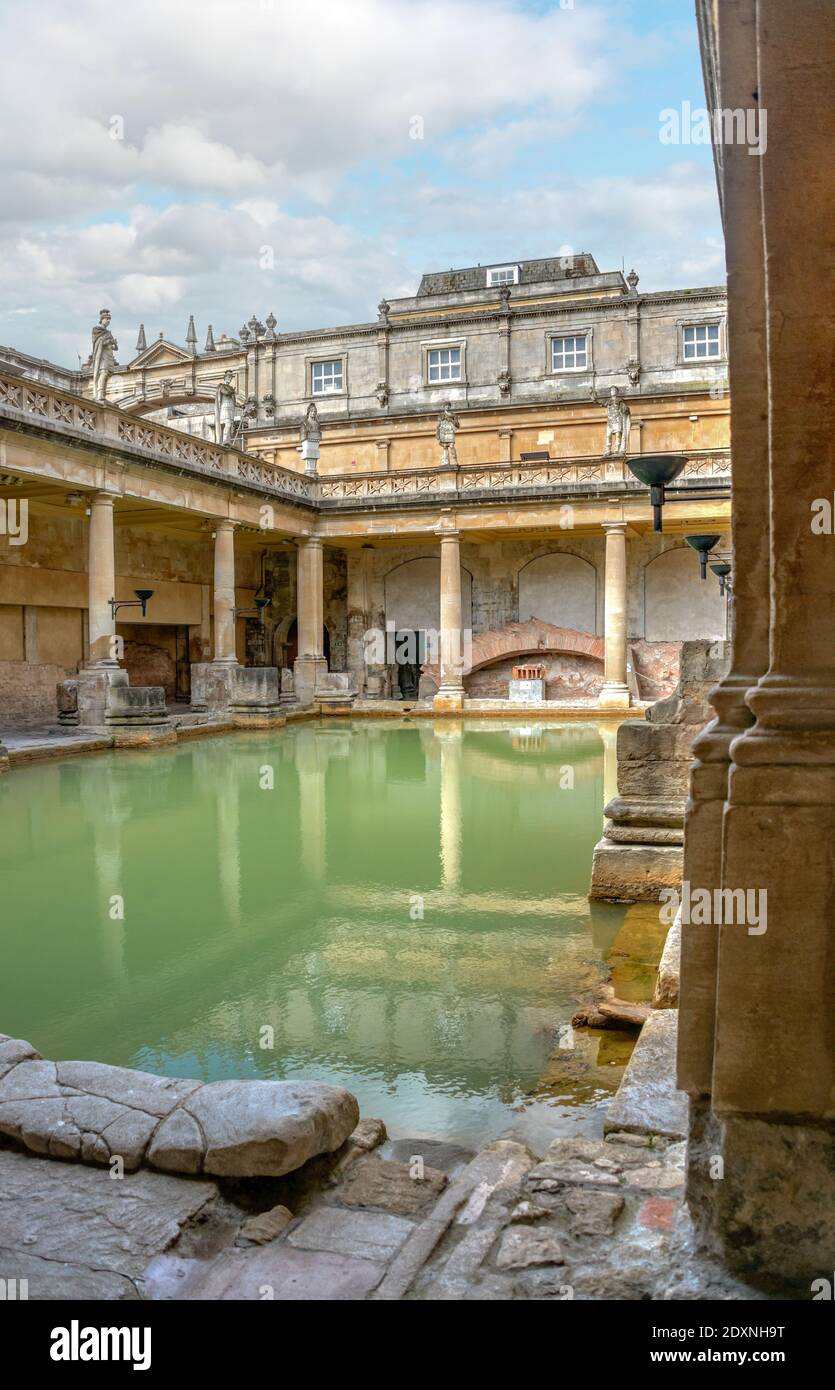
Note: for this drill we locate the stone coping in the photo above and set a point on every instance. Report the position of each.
(93, 1113)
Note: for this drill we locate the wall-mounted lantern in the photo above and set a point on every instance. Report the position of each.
(141, 601)
(656, 471)
(722, 570)
(261, 604)
(703, 546)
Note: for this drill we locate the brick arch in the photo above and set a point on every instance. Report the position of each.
(527, 639)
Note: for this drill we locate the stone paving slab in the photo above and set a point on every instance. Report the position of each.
(76, 1232)
(647, 1100)
(281, 1271)
(370, 1235)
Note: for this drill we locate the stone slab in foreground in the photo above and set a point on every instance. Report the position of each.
(79, 1234)
(92, 1113)
(647, 1100)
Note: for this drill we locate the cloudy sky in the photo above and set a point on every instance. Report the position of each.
(229, 157)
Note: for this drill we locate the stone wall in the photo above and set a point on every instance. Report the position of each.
(28, 693)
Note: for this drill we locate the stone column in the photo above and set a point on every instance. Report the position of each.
(225, 653)
(615, 692)
(102, 583)
(310, 604)
(450, 696)
(358, 605)
(768, 1115)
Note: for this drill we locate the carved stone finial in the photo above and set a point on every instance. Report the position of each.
(504, 297)
(210, 341)
(632, 281)
(140, 340)
(191, 336)
(271, 323)
(383, 311)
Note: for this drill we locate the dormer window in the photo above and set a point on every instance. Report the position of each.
(503, 275)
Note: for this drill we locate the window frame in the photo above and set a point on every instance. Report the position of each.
(320, 362)
(458, 345)
(499, 270)
(708, 320)
(335, 363)
(562, 335)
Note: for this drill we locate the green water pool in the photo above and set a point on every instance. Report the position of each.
(396, 907)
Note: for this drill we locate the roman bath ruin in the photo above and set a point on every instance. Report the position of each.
(416, 773)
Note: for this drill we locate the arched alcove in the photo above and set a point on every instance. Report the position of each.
(559, 588)
(413, 595)
(678, 605)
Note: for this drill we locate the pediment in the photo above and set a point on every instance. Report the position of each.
(161, 354)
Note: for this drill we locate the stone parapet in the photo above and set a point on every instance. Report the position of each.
(641, 850)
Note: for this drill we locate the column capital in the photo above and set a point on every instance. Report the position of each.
(103, 499)
(615, 526)
(310, 542)
(225, 525)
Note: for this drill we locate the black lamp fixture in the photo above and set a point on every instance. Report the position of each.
(257, 612)
(722, 569)
(141, 601)
(703, 545)
(656, 471)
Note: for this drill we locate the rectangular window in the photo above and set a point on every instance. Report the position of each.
(503, 275)
(700, 341)
(326, 377)
(567, 354)
(444, 364)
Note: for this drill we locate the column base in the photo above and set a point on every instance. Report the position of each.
(307, 673)
(613, 697)
(448, 701)
(777, 1233)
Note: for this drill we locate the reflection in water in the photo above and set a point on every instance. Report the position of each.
(287, 902)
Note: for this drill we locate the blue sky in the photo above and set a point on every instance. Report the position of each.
(241, 127)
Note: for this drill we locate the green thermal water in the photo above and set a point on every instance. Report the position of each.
(405, 908)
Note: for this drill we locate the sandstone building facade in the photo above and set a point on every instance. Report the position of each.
(528, 531)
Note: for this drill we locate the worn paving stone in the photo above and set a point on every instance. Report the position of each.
(366, 1234)
(523, 1246)
(283, 1272)
(436, 1153)
(75, 1232)
(592, 1213)
(647, 1100)
(377, 1182)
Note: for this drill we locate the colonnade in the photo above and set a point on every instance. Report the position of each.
(311, 659)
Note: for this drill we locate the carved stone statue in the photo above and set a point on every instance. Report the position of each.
(102, 359)
(618, 420)
(311, 430)
(226, 399)
(448, 423)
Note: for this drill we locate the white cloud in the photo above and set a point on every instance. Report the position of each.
(248, 124)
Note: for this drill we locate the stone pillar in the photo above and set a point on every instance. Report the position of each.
(450, 696)
(762, 1083)
(615, 692)
(225, 653)
(101, 570)
(358, 605)
(310, 662)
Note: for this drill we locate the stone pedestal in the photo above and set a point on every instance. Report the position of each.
(641, 849)
(249, 695)
(102, 698)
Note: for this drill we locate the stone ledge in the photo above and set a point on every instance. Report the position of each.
(647, 1100)
(91, 1113)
